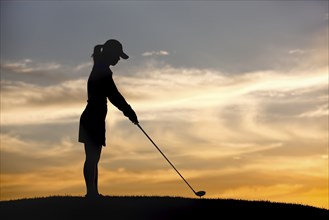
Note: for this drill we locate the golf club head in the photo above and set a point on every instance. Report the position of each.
(200, 193)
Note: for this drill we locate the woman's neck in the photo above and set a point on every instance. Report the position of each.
(101, 65)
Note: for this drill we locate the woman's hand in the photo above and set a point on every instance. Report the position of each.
(133, 118)
(130, 113)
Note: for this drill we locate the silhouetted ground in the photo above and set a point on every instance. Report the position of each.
(155, 208)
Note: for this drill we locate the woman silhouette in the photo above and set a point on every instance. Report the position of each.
(100, 87)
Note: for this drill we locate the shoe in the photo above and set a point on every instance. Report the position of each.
(94, 196)
(100, 196)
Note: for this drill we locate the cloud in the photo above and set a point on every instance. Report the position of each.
(318, 111)
(297, 51)
(42, 73)
(156, 53)
(23, 103)
(83, 67)
(33, 153)
(202, 119)
(171, 92)
(29, 67)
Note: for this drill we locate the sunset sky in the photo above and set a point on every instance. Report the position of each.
(235, 94)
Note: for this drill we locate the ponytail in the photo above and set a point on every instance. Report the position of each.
(97, 52)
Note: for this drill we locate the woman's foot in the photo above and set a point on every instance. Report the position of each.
(94, 196)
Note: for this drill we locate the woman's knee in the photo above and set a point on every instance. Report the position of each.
(93, 153)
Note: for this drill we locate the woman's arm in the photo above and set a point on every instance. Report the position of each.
(119, 101)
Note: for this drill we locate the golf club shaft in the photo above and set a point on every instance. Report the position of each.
(165, 157)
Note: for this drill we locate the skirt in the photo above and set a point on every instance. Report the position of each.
(92, 126)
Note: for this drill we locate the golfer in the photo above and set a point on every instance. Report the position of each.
(100, 87)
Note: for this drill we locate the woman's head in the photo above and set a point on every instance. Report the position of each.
(109, 53)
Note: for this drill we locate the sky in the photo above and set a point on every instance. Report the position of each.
(234, 93)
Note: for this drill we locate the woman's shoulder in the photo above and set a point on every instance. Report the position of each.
(99, 67)
(100, 78)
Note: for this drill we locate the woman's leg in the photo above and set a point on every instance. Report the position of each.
(90, 168)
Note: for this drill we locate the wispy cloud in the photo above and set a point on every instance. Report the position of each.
(42, 73)
(86, 66)
(23, 103)
(156, 53)
(28, 66)
(297, 51)
(318, 111)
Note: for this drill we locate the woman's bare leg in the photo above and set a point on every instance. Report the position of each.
(90, 168)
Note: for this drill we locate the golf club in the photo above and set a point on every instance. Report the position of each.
(199, 193)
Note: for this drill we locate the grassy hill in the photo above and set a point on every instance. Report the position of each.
(154, 207)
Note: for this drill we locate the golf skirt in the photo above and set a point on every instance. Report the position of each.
(92, 125)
